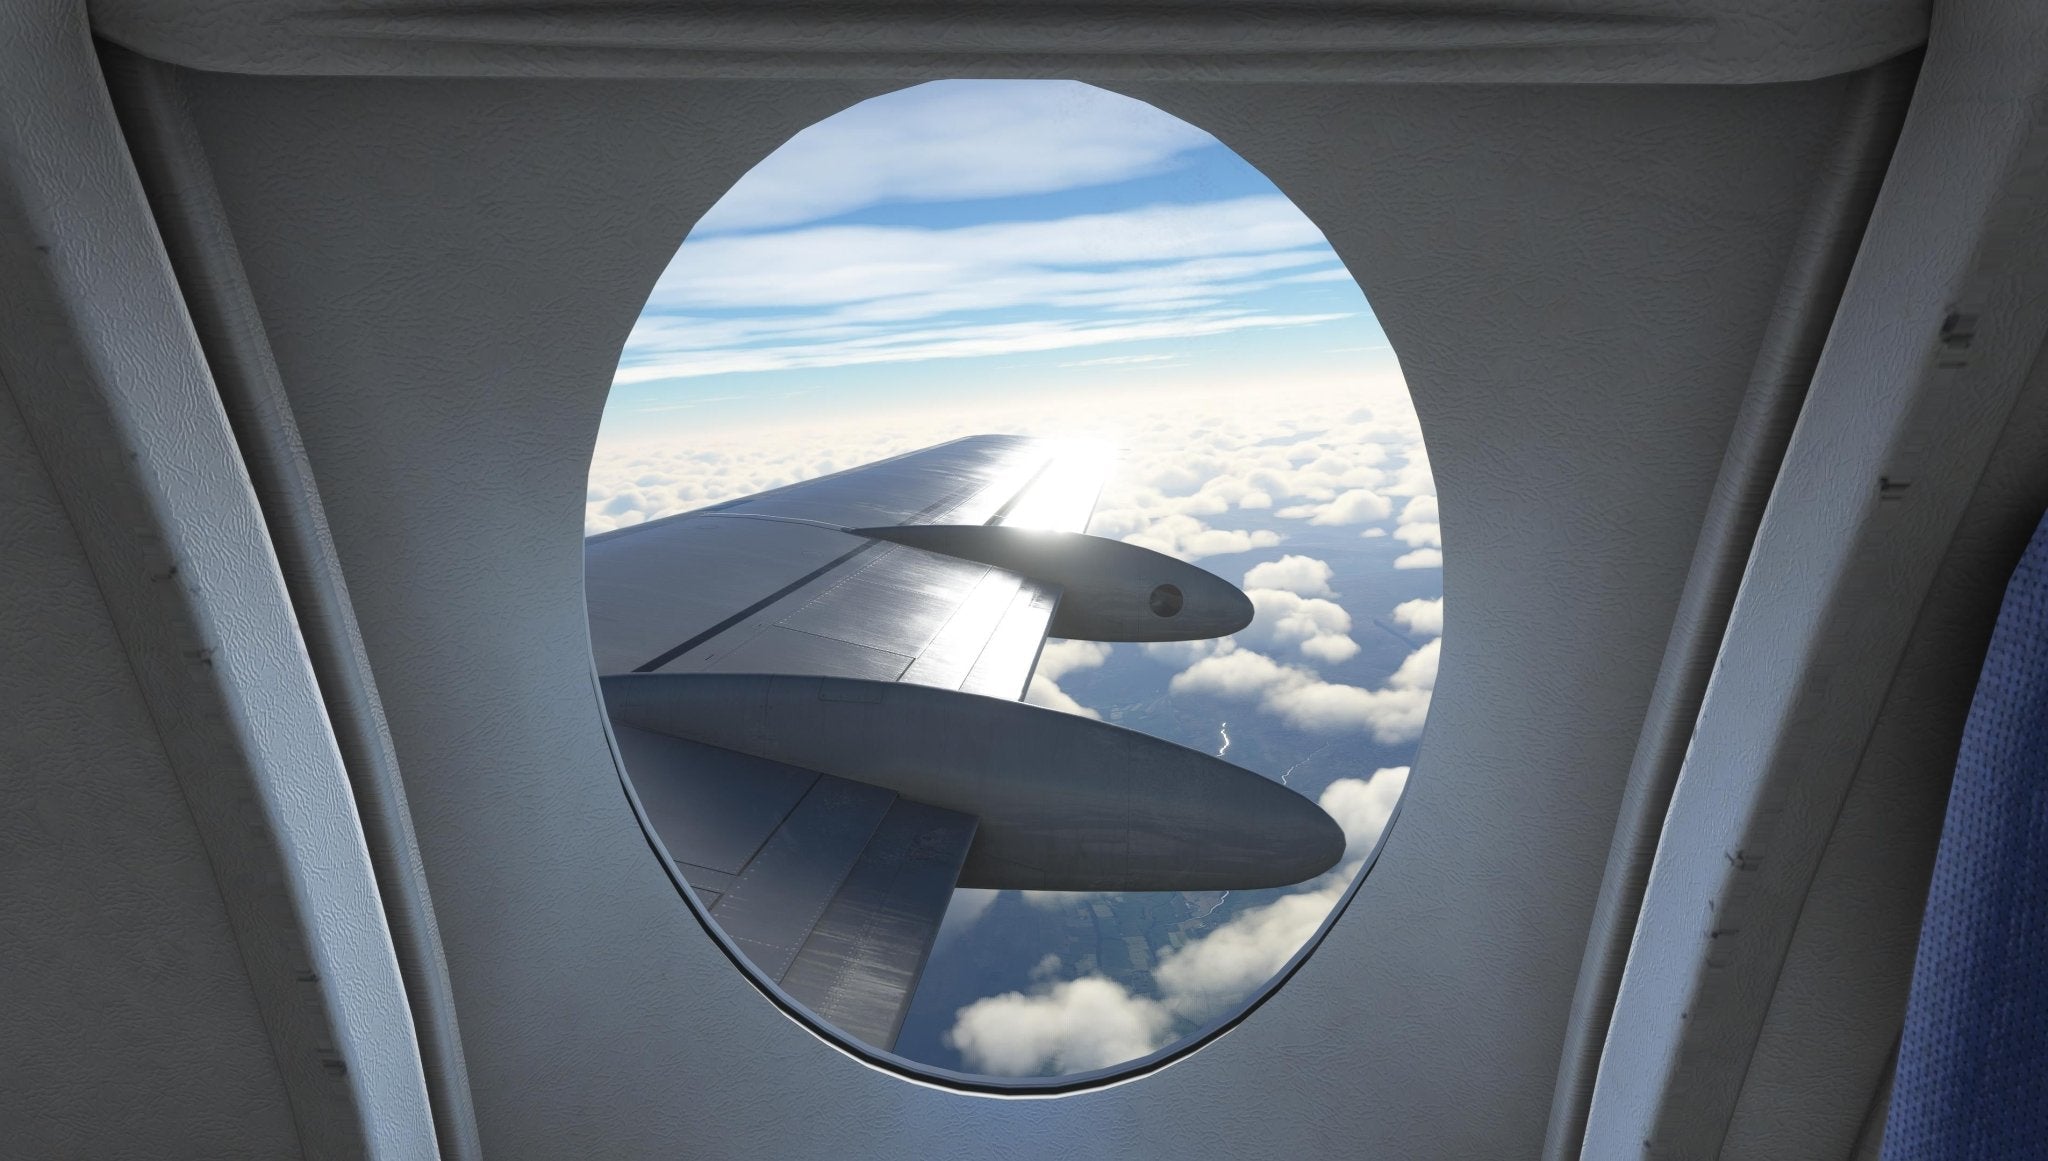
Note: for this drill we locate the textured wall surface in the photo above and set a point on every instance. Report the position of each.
(129, 1024)
(1576, 285)
(204, 678)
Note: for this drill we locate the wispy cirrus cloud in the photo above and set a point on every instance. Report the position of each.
(850, 295)
(680, 353)
(956, 141)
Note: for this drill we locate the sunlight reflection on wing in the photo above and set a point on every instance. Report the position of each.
(1064, 495)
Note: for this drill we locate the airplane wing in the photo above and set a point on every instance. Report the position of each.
(827, 843)
(775, 582)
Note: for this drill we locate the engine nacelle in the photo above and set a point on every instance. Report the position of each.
(1113, 591)
(1062, 802)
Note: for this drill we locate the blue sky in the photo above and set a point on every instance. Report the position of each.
(993, 237)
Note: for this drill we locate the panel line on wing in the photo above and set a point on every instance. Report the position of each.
(953, 500)
(750, 610)
(1022, 491)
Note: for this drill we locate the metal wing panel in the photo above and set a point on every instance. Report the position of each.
(861, 964)
(713, 807)
(771, 907)
(908, 489)
(770, 583)
(1004, 667)
(684, 578)
(833, 888)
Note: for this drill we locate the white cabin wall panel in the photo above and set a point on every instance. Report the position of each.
(128, 1024)
(1577, 293)
(1826, 1046)
(1575, 281)
(105, 377)
(1939, 328)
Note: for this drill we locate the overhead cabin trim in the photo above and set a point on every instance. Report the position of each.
(1518, 41)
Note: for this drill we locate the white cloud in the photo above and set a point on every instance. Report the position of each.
(1059, 658)
(1425, 535)
(1221, 969)
(670, 349)
(1190, 539)
(1418, 670)
(953, 140)
(1373, 533)
(849, 295)
(1070, 1026)
(1420, 510)
(1330, 649)
(818, 266)
(1215, 973)
(1303, 575)
(1420, 558)
(1319, 628)
(1181, 654)
(1044, 691)
(1356, 506)
(1414, 478)
(1095, 1022)
(1056, 660)
(1238, 673)
(1394, 713)
(1362, 807)
(1422, 616)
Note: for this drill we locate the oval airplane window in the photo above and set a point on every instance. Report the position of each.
(1014, 577)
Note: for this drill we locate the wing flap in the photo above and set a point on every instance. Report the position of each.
(860, 966)
(832, 888)
(771, 907)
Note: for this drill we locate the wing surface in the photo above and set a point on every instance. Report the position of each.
(773, 584)
(833, 888)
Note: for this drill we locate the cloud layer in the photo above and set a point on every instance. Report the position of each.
(1093, 1022)
(1393, 713)
(1055, 661)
